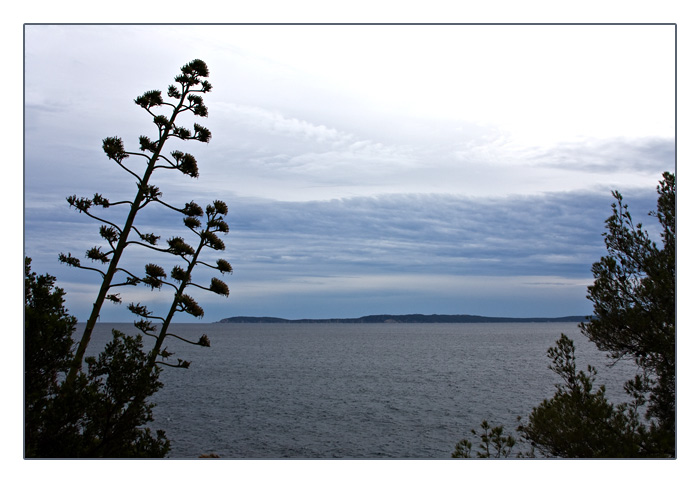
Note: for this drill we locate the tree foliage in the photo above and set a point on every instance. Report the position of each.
(87, 421)
(48, 329)
(634, 301)
(633, 297)
(492, 443)
(579, 421)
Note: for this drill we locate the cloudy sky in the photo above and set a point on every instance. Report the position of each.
(367, 169)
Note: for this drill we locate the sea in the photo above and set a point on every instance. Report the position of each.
(355, 391)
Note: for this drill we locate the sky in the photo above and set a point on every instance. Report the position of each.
(368, 169)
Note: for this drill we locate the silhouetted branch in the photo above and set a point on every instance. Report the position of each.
(203, 340)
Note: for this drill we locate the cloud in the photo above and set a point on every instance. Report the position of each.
(276, 123)
(536, 235)
(613, 155)
(276, 156)
(396, 245)
(274, 145)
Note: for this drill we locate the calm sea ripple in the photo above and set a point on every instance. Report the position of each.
(363, 391)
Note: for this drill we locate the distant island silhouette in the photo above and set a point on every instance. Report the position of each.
(401, 319)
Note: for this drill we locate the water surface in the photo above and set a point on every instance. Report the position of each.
(355, 390)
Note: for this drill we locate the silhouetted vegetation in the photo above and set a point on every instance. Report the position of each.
(492, 443)
(85, 421)
(634, 318)
(102, 412)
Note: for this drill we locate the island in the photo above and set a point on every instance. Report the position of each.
(401, 319)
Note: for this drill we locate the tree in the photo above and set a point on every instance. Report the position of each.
(634, 302)
(579, 421)
(633, 297)
(47, 347)
(88, 420)
(492, 443)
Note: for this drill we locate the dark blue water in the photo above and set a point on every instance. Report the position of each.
(355, 390)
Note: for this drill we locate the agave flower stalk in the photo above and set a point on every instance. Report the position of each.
(156, 278)
(182, 302)
(119, 236)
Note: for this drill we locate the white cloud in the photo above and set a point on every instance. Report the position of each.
(276, 123)
(543, 83)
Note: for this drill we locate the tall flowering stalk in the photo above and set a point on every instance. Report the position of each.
(207, 234)
(185, 96)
